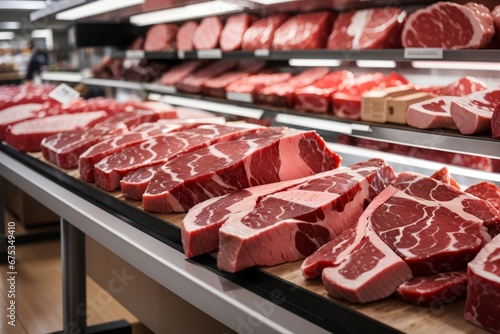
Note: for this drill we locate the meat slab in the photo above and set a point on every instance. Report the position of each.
(251, 84)
(225, 167)
(193, 83)
(449, 26)
(161, 37)
(101, 150)
(27, 135)
(495, 123)
(472, 113)
(184, 40)
(463, 86)
(134, 184)
(260, 34)
(375, 28)
(431, 114)
(179, 72)
(435, 290)
(304, 31)
(231, 36)
(16, 114)
(109, 171)
(483, 290)
(208, 33)
(290, 225)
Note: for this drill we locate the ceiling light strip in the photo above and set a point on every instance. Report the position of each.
(6, 35)
(54, 8)
(96, 8)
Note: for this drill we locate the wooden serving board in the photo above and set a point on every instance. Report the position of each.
(391, 311)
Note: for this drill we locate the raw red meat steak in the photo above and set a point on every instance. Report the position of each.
(250, 84)
(231, 36)
(449, 25)
(304, 31)
(181, 71)
(16, 114)
(472, 113)
(260, 34)
(193, 83)
(435, 290)
(134, 184)
(290, 225)
(431, 114)
(208, 33)
(495, 123)
(109, 171)
(375, 28)
(464, 86)
(489, 192)
(27, 135)
(225, 167)
(185, 35)
(160, 37)
(483, 290)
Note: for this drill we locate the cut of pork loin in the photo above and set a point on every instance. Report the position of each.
(99, 151)
(179, 72)
(464, 86)
(27, 135)
(304, 31)
(185, 35)
(200, 228)
(225, 167)
(16, 114)
(260, 34)
(483, 290)
(64, 148)
(193, 83)
(208, 33)
(431, 114)
(290, 225)
(374, 28)
(160, 37)
(435, 290)
(232, 34)
(472, 113)
(109, 171)
(449, 25)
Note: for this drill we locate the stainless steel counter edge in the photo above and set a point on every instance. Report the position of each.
(234, 306)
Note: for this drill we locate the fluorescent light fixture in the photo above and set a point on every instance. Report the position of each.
(44, 33)
(6, 35)
(213, 106)
(22, 5)
(314, 62)
(376, 63)
(62, 76)
(314, 123)
(193, 11)
(271, 2)
(96, 8)
(10, 25)
(457, 65)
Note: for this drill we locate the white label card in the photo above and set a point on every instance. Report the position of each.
(262, 53)
(240, 97)
(181, 54)
(63, 94)
(209, 54)
(423, 53)
(134, 54)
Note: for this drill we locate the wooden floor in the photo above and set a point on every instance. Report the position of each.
(38, 293)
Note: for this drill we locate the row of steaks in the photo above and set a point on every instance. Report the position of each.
(444, 25)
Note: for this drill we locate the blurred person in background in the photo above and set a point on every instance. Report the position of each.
(37, 60)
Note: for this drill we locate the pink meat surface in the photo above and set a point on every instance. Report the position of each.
(282, 94)
(185, 35)
(16, 114)
(495, 123)
(483, 290)
(435, 290)
(200, 228)
(489, 192)
(260, 34)
(431, 114)
(134, 184)
(27, 135)
(449, 25)
(101, 150)
(317, 97)
(160, 37)
(208, 33)
(231, 36)
(304, 31)
(253, 83)
(464, 86)
(109, 171)
(64, 148)
(225, 167)
(375, 28)
(181, 71)
(193, 83)
(472, 113)
(294, 223)
(217, 86)
(496, 17)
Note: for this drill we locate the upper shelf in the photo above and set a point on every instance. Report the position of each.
(391, 54)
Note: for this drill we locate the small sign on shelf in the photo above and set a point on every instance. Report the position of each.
(64, 94)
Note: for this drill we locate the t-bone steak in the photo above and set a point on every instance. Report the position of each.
(472, 113)
(290, 225)
(449, 25)
(225, 167)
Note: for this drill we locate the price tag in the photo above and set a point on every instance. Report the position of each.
(181, 54)
(209, 54)
(134, 54)
(240, 97)
(423, 53)
(63, 94)
(262, 53)
(168, 89)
